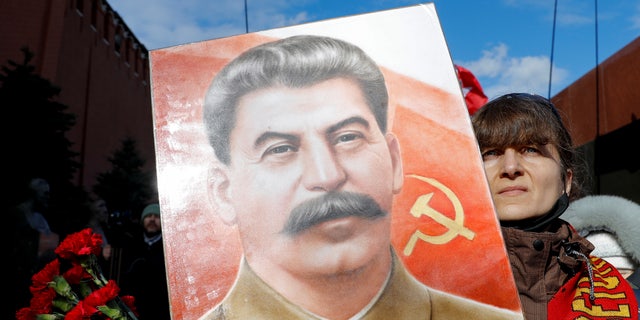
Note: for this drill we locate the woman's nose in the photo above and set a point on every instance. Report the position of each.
(511, 164)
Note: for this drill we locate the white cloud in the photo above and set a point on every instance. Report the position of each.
(574, 19)
(268, 19)
(168, 22)
(575, 13)
(490, 64)
(499, 74)
(635, 18)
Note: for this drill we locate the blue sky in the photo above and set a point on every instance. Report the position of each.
(505, 43)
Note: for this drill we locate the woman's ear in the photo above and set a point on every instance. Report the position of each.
(567, 181)
(220, 194)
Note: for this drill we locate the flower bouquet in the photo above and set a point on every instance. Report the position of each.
(81, 290)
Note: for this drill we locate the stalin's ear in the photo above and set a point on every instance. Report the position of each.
(220, 195)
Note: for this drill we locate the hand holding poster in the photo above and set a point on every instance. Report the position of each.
(325, 170)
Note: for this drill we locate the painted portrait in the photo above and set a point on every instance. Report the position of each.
(325, 171)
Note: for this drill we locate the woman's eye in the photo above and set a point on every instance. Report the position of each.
(530, 150)
(489, 153)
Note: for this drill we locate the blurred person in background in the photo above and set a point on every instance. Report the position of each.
(145, 276)
(33, 241)
(99, 223)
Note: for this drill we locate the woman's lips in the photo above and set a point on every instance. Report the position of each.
(512, 190)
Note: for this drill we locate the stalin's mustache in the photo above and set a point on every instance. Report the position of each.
(332, 205)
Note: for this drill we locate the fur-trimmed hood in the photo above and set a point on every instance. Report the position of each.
(614, 214)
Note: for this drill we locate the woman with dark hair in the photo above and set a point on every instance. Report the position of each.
(534, 172)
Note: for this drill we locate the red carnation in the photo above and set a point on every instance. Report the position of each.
(25, 314)
(40, 281)
(53, 294)
(82, 243)
(81, 311)
(75, 274)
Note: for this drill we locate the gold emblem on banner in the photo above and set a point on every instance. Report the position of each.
(421, 207)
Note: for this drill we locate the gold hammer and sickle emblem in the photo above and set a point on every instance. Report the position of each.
(421, 207)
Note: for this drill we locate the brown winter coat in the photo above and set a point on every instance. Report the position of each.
(547, 263)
